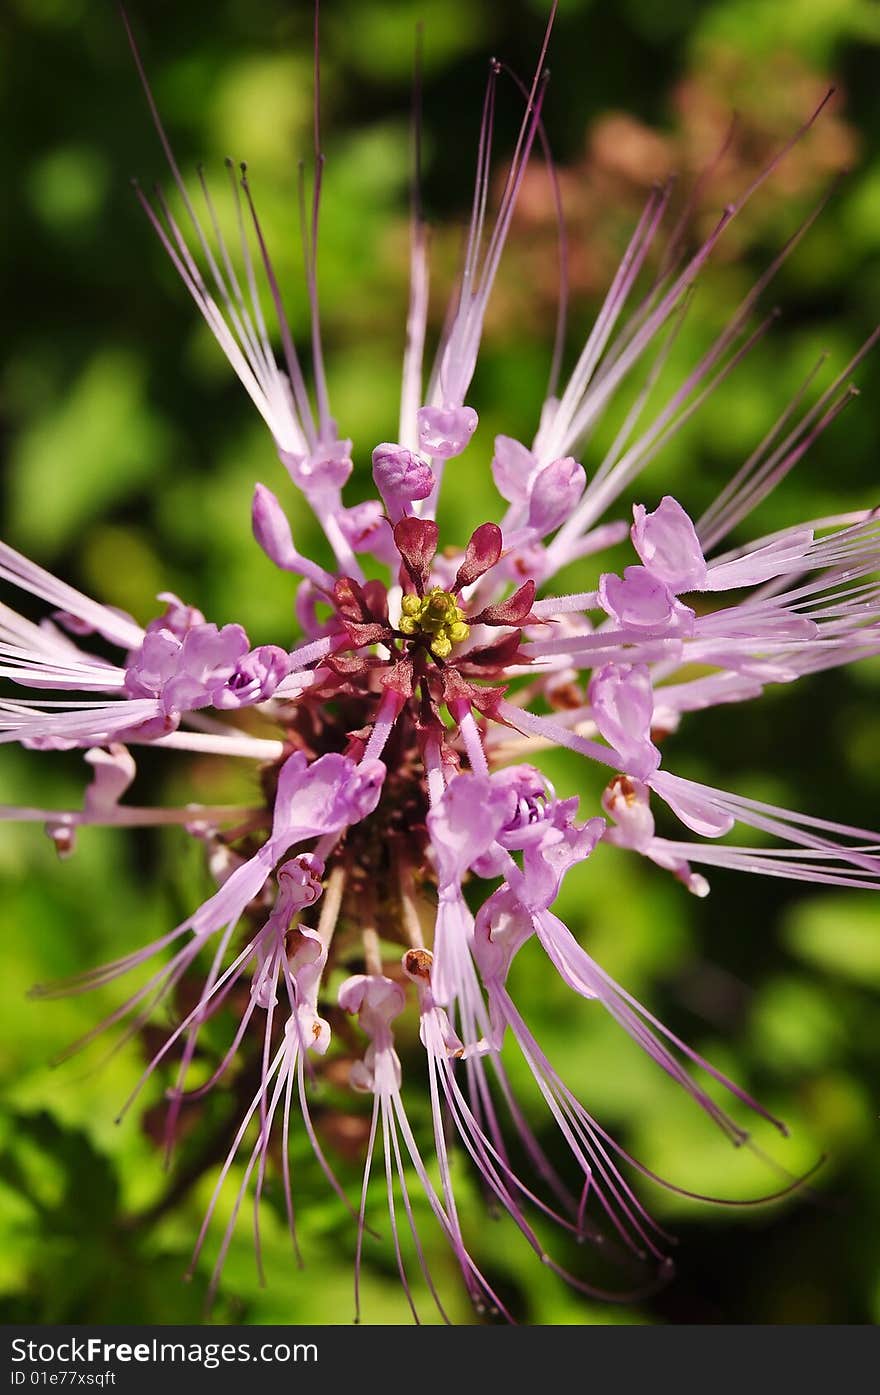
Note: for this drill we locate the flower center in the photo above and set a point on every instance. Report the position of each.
(437, 617)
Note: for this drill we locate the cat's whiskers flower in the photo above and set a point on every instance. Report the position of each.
(389, 797)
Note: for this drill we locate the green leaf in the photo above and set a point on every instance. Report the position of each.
(840, 934)
(95, 447)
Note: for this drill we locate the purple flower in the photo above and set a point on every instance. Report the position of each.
(445, 431)
(555, 490)
(622, 702)
(667, 542)
(640, 600)
(512, 467)
(255, 678)
(397, 792)
(202, 667)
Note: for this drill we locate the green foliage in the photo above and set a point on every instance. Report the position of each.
(838, 937)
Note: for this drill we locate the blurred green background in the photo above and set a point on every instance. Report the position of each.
(130, 458)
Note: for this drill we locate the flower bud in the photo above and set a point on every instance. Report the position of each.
(272, 530)
(401, 476)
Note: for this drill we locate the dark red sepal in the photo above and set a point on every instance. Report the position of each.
(351, 603)
(363, 611)
(457, 690)
(486, 699)
(399, 678)
(416, 541)
(346, 665)
(516, 610)
(371, 633)
(482, 552)
(493, 658)
(376, 599)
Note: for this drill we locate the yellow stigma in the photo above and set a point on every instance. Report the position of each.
(438, 617)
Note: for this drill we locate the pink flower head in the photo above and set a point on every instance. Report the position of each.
(531, 808)
(445, 431)
(554, 493)
(640, 601)
(207, 667)
(256, 676)
(627, 802)
(366, 529)
(376, 1000)
(622, 703)
(327, 468)
(464, 823)
(512, 468)
(667, 543)
(186, 673)
(502, 927)
(324, 796)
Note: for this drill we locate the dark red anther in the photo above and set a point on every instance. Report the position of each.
(416, 541)
(482, 552)
(516, 610)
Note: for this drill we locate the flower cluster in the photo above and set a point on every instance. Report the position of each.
(400, 803)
